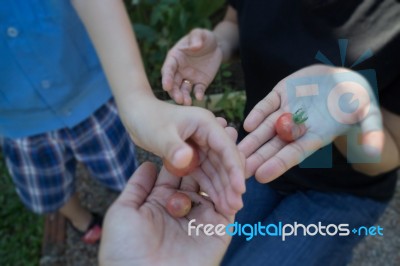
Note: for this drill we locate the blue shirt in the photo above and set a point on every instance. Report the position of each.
(50, 75)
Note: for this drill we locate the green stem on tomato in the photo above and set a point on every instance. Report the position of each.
(300, 116)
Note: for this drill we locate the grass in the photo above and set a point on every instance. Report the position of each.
(20, 230)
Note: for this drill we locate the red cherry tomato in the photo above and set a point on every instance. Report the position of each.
(290, 127)
(179, 205)
(188, 169)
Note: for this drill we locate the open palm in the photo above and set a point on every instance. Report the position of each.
(268, 157)
(139, 231)
(195, 58)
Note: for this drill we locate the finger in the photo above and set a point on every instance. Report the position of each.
(263, 154)
(176, 92)
(262, 110)
(243, 160)
(195, 40)
(289, 156)
(205, 42)
(234, 200)
(230, 158)
(223, 154)
(373, 137)
(199, 89)
(373, 142)
(232, 132)
(168, 72)
(174, 149)
(230, 200)
(166, 179)
(189, 184)
(176, 95)
(264, 132)
(210, 183)
(205, 213)
(231, 197)
(205, 183)
(139, 185)
(222, 121)
(186, 89)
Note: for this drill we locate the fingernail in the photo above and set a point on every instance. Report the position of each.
(181, 158)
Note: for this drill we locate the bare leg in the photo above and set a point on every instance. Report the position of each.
(76, 214)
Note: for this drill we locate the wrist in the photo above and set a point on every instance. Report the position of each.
(227, 39)
(133, 95)
(133, 106)
(225, 50)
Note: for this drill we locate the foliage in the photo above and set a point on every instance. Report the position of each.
(232, 103)
(159, 24)
(20, 230)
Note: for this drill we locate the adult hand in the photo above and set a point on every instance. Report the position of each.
(190, 65)
(139, 231)
(164, 130)
(268, 157)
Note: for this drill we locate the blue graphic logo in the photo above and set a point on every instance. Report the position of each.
(281, 230)
(341, 100)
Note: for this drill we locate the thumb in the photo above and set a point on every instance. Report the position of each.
(195, 41)
(175, 150)
(139, 186)
(364, 147)
(373, 136)
(373, 142)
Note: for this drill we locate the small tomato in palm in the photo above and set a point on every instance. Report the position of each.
(290, 127)
(179, 205)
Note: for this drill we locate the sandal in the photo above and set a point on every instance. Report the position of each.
(92, 234)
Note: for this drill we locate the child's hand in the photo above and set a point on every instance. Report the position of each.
(191, 65)
(268, 156)
(209, 179)
(164, 129)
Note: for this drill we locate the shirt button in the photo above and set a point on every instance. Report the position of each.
(46, 84)
(12, 32)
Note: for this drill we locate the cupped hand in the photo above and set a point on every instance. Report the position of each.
(335, 100)
(139, 231)
(191, 65)
(209, 178)
(169, 130)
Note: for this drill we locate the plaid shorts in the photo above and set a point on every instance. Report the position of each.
(43, 166)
